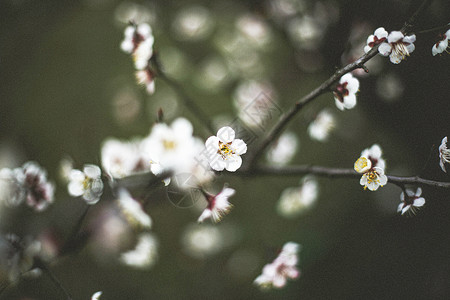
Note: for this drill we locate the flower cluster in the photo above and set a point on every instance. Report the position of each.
(218, 205)
(395, 45)
(86, 183)
(442, 44)
(138, 42)
(371, 165)
(345, 92)
(282, 268)
(411, 201)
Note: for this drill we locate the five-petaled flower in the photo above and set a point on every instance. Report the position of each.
(444, 154)
(411, 201)
(224, 150)
(86, 183)
(442, 44)
(371, 165)
(376, 38)
(397, 46)
(284, 267)
(218, 205)
(345, 92)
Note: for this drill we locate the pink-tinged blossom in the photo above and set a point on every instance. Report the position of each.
(411, 202)
(378, 37)
(39, 191)
(444, 154)
(224, 151)
(284, 267)
(442, 44)
(218, 205)
(345, 92)
(397, 46)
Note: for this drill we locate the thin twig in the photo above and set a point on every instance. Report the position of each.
(439, 28)
(54, 279)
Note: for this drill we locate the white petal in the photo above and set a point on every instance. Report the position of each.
(350, 101)
(385, 49)
(205, 215)
(419, 202)
(75, 188)
(395, 36)
(402, 197)
(381, 33)
(353, 85)
(394, 58)
(410, 48)
(363, 180)
(367, 49)
(218, 164)
(226, 134)
(418, 192)
(182, 127)
(409, 39)
(405, 209)
(383, 179)
(234, 163)
(339, 104)
(239, 146)
(400, 207)
(212, 144)
(92, 171)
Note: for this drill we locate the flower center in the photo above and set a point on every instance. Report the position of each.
(400, 49)
(225, 150)
(169, 145)
(341, 91)
(87, 183)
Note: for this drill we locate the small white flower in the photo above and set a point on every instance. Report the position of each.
(398, 46)
(144, 255)
(135, 35)
(345, 92)
(12, 192)
(442, 44)
(294, 201)
(218, 205)
(323, 124)
(376, 38)
(373, 179)
(87, 183)
(283, 150)
(96, 296)
(411, 202)
(284, 267)
(444, 154)
(133, 210)
(146, 78)
(224, 150)
(143, 53)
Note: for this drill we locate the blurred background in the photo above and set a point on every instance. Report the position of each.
(66, 86)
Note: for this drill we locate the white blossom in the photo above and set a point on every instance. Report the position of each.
(224, 151)
(283, 149)
(320, 128)
(86, 183)
(411, 201)
(218, 205)
(379, 36)
(294, 201)
(146, 77)
(444, 154)
(135, 35)
(144, 255)
(201, 240)
(374, 154)
(397, 46)
(12, 192)
(442, 44)
(345, 92)
(284, 267)
(143, 53)
(132, 210)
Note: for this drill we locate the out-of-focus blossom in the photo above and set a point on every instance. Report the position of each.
(40, 191)
(200, 241)
(294, 201)
(146, 77)
(143, 53)
(254, 29)
(65, 167)
(284, 9)
(444, 154)
(283, 149)
(218, 205)
(378, 37)
(144, 255)
(212, 74)
(86, 183)
(306, 32)
(390, 87)
(345, 92)
(12, 193)
(139, 13)
(442, 44)
(96, 296)
(193, 23)
(225, 151)
(397, 46)
(16, 255)
(135, 35)
(323, 124)
(133, 210)
(411, 202)
(121, 159)
(284, 267)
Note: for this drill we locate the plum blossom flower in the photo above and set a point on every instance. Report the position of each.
(345, 92)
(144, 255)
(143, 53)
(225, 151)
(411, 202)
(444, 154)
(218, 205)
(12, 193)
(284, 149)
(378, 37)
(371, 165)
(284, 267)
(374, 154)
(135, 35)
(442, 44)
(293, 201)
(323, 124)
(39, 191)
(86, 183)
(397, 46)
(133, 211)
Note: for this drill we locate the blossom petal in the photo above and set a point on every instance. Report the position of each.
(92, 171)
(395, 36)
(218, 163)
(385, 49)
(400, 207)
(182, 127)
(350, 101)
(419, 202)
(239, 146)
(226, 134)
(232, 164)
